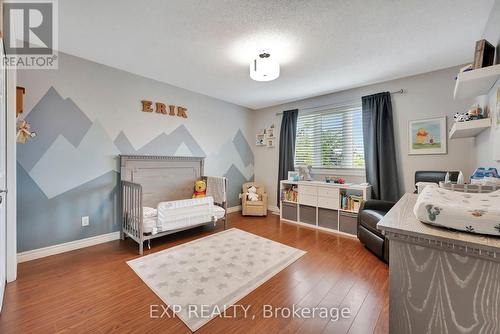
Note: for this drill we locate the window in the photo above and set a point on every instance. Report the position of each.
(331, 138)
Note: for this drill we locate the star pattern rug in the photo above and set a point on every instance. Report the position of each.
(212, 273)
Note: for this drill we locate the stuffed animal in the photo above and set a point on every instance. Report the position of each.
(305, 173)
(252, 194)
(461, 117)
(200, 189)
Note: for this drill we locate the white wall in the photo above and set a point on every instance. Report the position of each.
(427, 95)
(489, 140)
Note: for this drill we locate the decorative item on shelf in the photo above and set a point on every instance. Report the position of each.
(460, 179)
(23, 132)
(270, 132)
(474, 113)
(293, 176)
(334, 179)
(305, 173)
(270, 143)
(484, 54)
(260, 138)
(427, 136)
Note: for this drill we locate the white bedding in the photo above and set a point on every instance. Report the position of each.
(178, 214)
(473, 213)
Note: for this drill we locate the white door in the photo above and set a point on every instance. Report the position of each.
(3, 179)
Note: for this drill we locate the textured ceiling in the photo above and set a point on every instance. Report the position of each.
(323, 46)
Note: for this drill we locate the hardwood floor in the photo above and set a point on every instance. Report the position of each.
(93, 290)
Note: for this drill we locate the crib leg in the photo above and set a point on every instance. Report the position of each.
(141, 248)
(149, 243)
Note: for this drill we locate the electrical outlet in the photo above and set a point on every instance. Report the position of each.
(85, 221)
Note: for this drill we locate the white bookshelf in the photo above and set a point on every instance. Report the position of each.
(469, 129)
(319, 205)
(476, 82)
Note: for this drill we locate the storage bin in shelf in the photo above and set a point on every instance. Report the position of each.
(470, 128)
(476, 82)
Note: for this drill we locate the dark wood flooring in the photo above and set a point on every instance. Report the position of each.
(92, 290)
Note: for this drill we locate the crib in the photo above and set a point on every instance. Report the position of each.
(147, 181)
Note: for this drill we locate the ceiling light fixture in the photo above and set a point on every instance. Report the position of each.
(264, 68)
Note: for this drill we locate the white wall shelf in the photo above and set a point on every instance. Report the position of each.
(470, 128)
(476, 82)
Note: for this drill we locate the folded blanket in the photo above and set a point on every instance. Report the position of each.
(468, 212)
(216, 188)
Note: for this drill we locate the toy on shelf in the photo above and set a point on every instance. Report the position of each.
(334, 179)
(305, 173)
(474, 113)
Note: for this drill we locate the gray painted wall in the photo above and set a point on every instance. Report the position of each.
(427, 95)
(85, 115)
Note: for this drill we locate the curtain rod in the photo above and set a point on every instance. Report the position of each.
(401, 91)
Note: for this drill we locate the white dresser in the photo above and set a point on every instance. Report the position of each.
(322, 205)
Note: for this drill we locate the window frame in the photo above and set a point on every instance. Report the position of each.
(349, 171)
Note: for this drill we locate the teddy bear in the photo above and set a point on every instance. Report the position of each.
(252, 194)
(200, 189)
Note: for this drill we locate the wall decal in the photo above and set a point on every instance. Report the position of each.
(71, 169)
(161, 108)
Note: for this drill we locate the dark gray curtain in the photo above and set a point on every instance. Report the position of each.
(380, 152)
(288, 133)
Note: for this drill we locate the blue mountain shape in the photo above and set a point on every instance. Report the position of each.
(50, 117)
(162, 144)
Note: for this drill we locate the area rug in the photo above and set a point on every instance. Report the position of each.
(212, 273)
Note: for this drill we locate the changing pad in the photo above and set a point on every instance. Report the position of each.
(473, 213)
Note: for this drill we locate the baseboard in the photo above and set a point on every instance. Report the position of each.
(234, 209)
(274, 209)
(66, 247)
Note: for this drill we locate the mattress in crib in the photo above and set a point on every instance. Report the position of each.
(468, 212)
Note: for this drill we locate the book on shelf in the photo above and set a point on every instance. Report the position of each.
(289, 195)
(351, 202)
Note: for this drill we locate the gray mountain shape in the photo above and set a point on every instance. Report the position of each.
(50, 117)
(243, 148)
(162, 144)
(235, 180)
(43, 221)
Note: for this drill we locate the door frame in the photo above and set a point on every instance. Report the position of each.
(11, 196)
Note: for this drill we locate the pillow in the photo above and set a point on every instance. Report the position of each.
(148, 212)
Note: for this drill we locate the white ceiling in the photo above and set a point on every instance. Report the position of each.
(323, 46)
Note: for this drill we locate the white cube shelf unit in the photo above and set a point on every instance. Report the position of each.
(319, 204)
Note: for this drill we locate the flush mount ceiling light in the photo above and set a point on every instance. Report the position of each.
(264, 68)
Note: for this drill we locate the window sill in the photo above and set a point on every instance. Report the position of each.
(339, 171)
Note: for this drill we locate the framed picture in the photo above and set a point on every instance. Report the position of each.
(293, 176)
(270, 143)
(427, 136)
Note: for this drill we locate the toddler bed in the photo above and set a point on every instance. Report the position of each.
(156, 196)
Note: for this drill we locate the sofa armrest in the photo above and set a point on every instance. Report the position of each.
(377, 205)
(264, 201)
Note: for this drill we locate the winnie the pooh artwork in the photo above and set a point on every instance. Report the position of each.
(427, 136)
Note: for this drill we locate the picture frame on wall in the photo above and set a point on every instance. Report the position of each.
(427, 136)
(270, 143)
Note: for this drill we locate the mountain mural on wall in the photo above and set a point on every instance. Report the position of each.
(71, 169)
